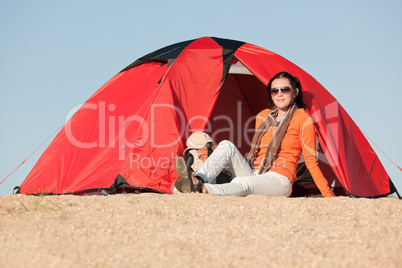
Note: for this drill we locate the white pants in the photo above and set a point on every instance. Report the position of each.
(246, 181)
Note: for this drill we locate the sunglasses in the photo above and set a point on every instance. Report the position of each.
(284, 90)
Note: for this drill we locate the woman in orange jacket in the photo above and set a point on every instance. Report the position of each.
(282, 134)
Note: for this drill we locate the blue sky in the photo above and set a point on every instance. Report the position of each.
(56, 54)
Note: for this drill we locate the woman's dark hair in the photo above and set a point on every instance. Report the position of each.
(294, 82)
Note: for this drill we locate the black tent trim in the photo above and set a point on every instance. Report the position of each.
(392, 190)
(229, 47)
(120, 185)
(170, 53)
(166, 53)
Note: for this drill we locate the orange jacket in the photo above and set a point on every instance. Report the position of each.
(299, 137)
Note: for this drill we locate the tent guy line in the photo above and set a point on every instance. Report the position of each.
(23, 162)
(389, 158)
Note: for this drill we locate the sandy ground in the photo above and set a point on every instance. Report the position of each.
(153, 230)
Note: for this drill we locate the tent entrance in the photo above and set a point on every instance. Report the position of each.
(240, 99)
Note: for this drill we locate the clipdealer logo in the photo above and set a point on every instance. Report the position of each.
(111, 129)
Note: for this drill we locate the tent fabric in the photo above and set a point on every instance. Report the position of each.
(136, 125)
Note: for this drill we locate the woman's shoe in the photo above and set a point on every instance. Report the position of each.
(182, 184)
(187, 182)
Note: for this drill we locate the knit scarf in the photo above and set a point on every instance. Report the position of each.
(267, 123)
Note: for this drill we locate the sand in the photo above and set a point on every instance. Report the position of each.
(154, 230)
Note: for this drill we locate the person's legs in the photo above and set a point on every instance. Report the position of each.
(224, 154)
(270, 183)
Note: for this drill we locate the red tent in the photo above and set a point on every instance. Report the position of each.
(127, 135)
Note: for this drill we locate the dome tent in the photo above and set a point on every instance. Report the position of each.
(128, 134)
